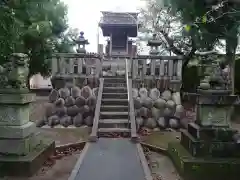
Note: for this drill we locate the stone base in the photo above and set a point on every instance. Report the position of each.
(26, 166)
(211, 133)
(17, 132)
(20, 146)
(192, 168)
(202, 148)
(59, 127)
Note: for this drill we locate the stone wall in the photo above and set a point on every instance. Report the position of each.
(155, 109)
(71, 105)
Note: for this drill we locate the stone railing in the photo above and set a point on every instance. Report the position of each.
(76, 64)
(157, 66)
(130, 104)
(164, 72)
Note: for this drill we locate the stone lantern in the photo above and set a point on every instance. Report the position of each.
(209, 148)
(211, 134)
(154, 44)
(81, 42)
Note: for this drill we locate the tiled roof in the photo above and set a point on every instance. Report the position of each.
(119, 18)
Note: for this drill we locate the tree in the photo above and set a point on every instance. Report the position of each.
(159, 19)
(37, 28)
(65, 43)
(213, 20)
(202, 25)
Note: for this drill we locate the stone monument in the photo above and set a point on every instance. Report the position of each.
(209, 148)
(22, 149)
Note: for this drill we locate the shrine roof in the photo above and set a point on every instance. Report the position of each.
(119, 18)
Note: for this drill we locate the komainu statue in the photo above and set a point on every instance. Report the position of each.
(14, 73)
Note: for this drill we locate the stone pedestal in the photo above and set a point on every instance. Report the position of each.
(211, 135)
(22, 149)
(208, 148)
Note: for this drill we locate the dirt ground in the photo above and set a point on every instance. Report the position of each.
(162, 167)
(161, 139)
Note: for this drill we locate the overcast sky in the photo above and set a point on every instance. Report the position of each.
(85, 14)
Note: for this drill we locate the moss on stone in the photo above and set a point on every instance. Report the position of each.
(192, 168)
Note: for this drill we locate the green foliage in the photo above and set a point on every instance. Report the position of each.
(35, 28)
(212, 20)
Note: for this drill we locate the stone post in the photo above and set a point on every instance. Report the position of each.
(22, 148)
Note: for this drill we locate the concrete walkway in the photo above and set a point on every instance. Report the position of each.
(109, 159)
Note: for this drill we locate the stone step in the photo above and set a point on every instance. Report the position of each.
(114, 115)
(125, 132)
(114, 89)
(115, 84)
(114, 80)
(123, 102)
(115, 95)
(113, 123)
(114, 108)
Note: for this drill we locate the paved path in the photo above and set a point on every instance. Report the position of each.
(110, 159)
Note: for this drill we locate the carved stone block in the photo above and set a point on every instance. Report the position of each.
(16, 97)
(14, 115)
(213, 116)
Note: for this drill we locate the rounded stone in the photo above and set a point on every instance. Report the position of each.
(69, 101)
(49, 110)
(88, 121)
(78, 120)
(61, 111)
(72, 111)
(53, 96)
(80, 101)
(75, 92)
(66, 121)
(64, 93)
(60, 102)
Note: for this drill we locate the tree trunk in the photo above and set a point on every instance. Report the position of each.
(231, 45)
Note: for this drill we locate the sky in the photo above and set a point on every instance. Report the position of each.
(85, 15)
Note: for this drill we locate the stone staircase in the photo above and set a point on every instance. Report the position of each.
(114, 116)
